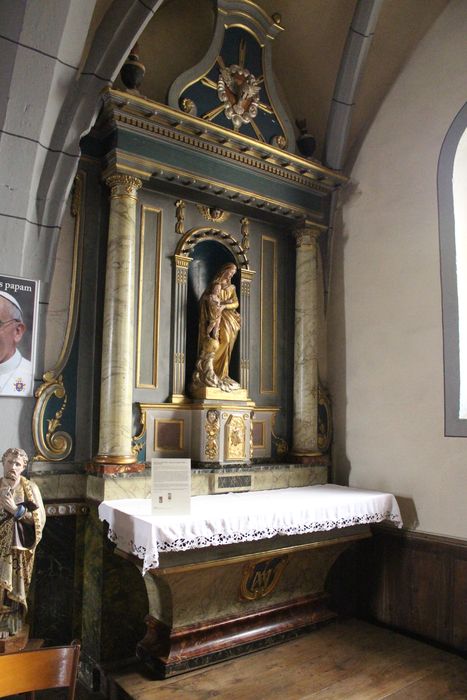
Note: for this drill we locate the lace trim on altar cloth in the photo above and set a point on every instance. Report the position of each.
(151, 557)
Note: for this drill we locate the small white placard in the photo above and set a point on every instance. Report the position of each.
(171, 486)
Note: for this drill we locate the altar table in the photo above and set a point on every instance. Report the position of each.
(243, 570)
(240, 517)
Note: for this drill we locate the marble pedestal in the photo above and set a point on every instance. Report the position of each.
(213, 432)
(211, 604)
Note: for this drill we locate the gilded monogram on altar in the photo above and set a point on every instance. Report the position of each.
(260, 578)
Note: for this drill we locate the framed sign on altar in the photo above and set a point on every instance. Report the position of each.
(170, 486)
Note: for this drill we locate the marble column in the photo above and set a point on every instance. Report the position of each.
(305, 418)
(246, 277)
(115, 432)
(182, 263)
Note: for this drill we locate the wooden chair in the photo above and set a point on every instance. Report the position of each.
(28, 671)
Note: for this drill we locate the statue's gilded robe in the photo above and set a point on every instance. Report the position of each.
(228, 328)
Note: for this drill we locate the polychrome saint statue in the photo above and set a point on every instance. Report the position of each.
(22, 518)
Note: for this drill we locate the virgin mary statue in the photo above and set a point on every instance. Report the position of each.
(219, 323)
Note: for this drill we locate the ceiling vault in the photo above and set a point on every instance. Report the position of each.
(351, 68)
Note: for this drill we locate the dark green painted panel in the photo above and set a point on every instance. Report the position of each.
(217, 169)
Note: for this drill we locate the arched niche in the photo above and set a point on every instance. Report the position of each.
(199, 255)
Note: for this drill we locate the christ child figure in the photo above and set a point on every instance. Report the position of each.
(214, 308)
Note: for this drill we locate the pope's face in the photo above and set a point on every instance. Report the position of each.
(13, 467)
(11, 331)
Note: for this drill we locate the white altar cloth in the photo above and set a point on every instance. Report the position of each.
(242, 517)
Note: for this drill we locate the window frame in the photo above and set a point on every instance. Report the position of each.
(454, 426)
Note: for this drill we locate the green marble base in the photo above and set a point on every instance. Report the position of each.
(225, 601)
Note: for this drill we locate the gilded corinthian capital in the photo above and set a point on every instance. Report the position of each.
(122, 185)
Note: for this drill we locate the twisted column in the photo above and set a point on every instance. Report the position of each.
(118, 327)
(305, 419)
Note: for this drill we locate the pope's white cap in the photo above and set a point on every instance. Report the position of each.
(11, 299)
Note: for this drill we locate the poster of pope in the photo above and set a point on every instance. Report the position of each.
(19, 299)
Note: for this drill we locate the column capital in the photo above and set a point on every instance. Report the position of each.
(246, 275)
(307, 235)
(123, 185)
(182, 261)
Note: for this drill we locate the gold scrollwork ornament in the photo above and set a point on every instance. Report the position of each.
(180, 216)
(212, 426)
(56, 444)
(189, 107)
(245, 231)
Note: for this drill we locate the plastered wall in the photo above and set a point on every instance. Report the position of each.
(384, 320)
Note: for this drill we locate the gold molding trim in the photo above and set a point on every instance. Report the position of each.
(56, 446)
(114, 459)
(188, 405)
(247, 28)
(263, 297)
(257, 9)
(239, 559)
(150, 110)
(156, 299)
(290, 174)
(155, 169)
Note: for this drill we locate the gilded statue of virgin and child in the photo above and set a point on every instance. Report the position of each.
(219, 323)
